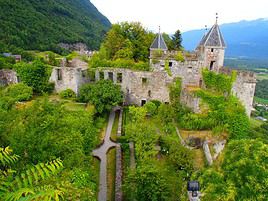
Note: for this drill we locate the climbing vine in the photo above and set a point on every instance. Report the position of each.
(220, 83)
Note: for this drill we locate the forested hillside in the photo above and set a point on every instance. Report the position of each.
(41, 25)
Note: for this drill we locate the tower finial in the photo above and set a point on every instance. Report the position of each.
(217, 17)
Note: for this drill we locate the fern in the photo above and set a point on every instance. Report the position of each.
(6, 156)
(38, 173)
(25, 186)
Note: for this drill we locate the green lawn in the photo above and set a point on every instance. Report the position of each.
(115, 126)
(111, 158)
(254, 123)
(262, 76)
(260, 100)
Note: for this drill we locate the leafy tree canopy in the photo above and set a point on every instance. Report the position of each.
(103, 95)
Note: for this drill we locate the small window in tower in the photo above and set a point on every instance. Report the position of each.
(59, 75)
(211, 65)
(170, 64)
(149, 93)
(144, 80)
(212, 49)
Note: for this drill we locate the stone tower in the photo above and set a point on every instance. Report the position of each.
(158, 46)
(211, 49)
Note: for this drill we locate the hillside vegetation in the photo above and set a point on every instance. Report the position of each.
(41, 25)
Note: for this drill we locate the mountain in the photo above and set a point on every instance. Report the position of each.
(244, 39)
(42, 24)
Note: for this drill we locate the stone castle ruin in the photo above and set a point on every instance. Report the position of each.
(140, 87)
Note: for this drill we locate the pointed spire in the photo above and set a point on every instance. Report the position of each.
(214, 37)
(159, 42)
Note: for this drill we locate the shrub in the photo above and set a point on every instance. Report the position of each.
(35, 75)
(6, 102)
(151, 108)
(179, 57)
(103, 95)
(19, 92)
(68, 94)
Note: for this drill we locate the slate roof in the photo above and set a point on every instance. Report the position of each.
(213, 38)
(159, 43)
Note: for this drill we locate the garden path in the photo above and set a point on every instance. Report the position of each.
(101, 154)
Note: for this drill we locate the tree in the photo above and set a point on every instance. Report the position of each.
(35, 75)
(20, 92)
(103, 95)
(127, 41)
(243, 174)
(177, 40)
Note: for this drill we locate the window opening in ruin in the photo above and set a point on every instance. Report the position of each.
(167, 103)
(101, 75)
(18, 78)
(84, 73)
(92, 74)
(190, 67)
(143, 102)
(149, 93)
(170, 64)
(59, 76)
(211, 65)
(212, 49)
(119, 77)
(144, 80)
(200, 83)
(110, 76)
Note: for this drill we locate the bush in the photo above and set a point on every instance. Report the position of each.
(151, 108)
(103, 95)
(19, 92)
(35, 75)
(68, 94)
(6, 102)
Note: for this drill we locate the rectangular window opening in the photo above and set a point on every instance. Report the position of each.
(110, 76)
(101, 75)
(119, 77)
(211, 65)
(59, 75)
(144, 80)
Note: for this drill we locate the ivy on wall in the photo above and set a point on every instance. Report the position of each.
(220, 83)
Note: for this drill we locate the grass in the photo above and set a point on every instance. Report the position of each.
(96, 170)
(254, 123)
(115, 126)
(72, 106)
(111, 158)
(262, 76)
(204, 135)
(199, 159)
(261, 100)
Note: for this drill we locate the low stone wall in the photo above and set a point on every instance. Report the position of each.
(8, 77)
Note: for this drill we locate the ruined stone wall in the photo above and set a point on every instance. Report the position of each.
(69, 78)
(189, 71)
(139, 86)
(188, 99)
(244, 89)
(214, 54)
(8, 77)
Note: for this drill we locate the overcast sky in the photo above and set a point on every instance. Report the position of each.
(184, 15)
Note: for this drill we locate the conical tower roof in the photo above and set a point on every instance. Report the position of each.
(213, 38)
(159, 43)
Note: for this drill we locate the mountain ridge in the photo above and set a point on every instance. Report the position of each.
(244, 39)
(41, 25)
